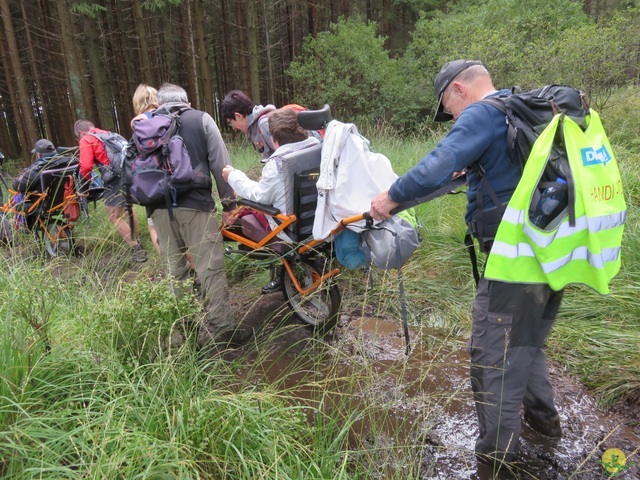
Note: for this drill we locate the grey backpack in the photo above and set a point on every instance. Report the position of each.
(115, 145)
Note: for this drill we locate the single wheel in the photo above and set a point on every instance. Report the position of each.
(58, 239)
(320, 307)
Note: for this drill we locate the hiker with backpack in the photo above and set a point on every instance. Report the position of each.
(546, 202)
(145, 102)
(103, 149)
(29, 179)
(510, 321)
(190, 221)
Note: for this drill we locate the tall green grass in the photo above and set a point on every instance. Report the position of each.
(112, 400)
(174, 419)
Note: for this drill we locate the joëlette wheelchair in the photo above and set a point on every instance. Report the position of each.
(50, 209)
(304, 265)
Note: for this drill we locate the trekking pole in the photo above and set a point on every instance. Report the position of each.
(403, 310)
(403, 303)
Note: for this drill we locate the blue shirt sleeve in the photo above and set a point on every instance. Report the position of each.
(465, 143)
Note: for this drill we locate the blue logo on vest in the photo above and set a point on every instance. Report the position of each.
(591, 156)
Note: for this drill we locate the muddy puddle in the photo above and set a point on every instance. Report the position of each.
(414, 414)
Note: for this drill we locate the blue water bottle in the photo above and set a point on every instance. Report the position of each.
(550, 198)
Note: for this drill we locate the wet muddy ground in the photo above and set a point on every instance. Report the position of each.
(416, 413)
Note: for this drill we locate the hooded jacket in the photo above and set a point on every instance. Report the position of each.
(258, 130)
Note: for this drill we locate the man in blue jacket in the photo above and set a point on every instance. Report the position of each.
(510, 321)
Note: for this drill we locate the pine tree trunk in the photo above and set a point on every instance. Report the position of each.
(192, 70)
(55, 86)
(346, 8)
(16, 131)
(203, 54)
(42, 114)
(143, 53)
(121, 60)
(268, 49)
(387, 25)
(313, 18)
(242, 46)
(225, 57)
(252, 42)
(101, 84)
(291, 21)
(27, 122)
(74, 71)
(336, 10)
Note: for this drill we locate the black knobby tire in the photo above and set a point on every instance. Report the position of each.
(320, 308)
(58, 239)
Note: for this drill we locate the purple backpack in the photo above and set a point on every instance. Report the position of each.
(157, 167)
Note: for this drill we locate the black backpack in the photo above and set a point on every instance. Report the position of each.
(115, 146)
(527, 115)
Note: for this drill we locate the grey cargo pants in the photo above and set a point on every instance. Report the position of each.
(508, 365)
(198, 232)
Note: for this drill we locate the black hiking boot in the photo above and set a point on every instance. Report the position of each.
(138, 254)
(273, 286)
(546, 426)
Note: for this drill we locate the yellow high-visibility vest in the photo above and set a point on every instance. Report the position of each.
(587, 252)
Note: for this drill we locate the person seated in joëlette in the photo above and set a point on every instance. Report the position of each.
(288, 137)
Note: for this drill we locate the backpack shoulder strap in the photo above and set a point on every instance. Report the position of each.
(178, 112)
(103, 136)
(175, 124)
(498, 102)
(98, 135)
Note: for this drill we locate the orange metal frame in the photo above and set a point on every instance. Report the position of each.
(38, 198)
(285, 221)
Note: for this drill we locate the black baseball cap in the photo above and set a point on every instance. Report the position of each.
(450, 71)
(43, 146)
